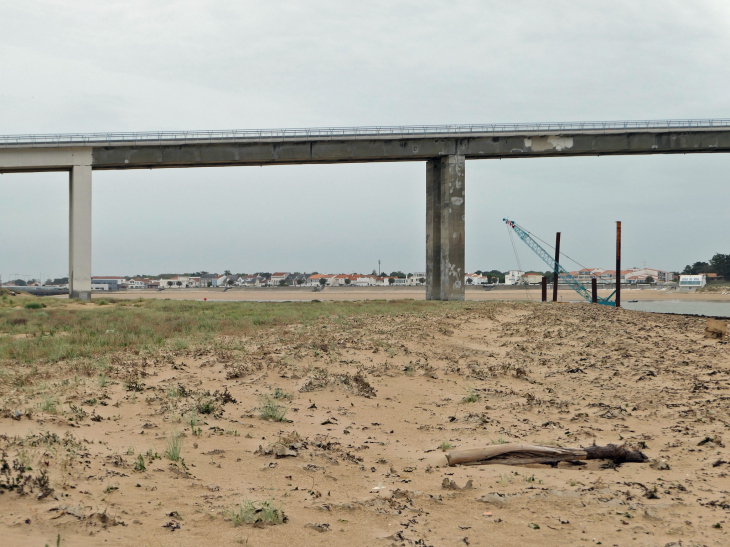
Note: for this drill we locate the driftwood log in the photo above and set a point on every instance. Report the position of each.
(521, 454)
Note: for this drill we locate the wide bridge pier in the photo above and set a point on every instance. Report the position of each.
(444, 150)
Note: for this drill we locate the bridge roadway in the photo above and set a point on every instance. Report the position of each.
(444, 149)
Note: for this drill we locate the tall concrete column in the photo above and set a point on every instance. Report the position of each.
(445, 228)
(79, 232)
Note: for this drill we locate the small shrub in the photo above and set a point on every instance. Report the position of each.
(256, 512)
(49, 404)
(270, 410)
(206, 405)
(445, 446)
(174, 446)
(281, 394)
(471, 397)
(139, 464)
(103, 380)
(33, 306)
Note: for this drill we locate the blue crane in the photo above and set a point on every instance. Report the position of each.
(554, 266)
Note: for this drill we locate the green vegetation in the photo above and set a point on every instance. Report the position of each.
(445, 446)
(471, 397)
(270, 410)
(33, 306)
(91, 331)
(139, 464)
(174, 446)
(257, 513)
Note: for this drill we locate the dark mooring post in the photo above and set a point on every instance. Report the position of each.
(544, 288)
(557, 261)
(594, 290)
(618, 264)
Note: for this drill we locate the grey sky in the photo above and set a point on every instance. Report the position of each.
(120, 66)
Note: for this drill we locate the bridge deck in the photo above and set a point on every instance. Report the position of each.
(360, 144)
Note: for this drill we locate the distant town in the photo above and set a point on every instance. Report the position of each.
(315, 279)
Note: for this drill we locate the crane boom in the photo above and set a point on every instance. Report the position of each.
(554, 266)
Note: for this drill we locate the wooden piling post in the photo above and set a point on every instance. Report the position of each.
(618, 263)
(594, 290)
(556, 275)
(544, 288)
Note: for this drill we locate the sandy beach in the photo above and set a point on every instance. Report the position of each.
(342, 423)
(291, 294)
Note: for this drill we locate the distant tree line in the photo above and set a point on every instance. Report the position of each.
(718, 264)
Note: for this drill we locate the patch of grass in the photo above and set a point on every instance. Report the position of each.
(174, 445)
(96, 331)
(446, 445)
(256, 513)
(206, 405)
(139, 464)
(471, 397)
(102, 380)
(270, 410)
(281, 394)
(33, 306)
(49, 404)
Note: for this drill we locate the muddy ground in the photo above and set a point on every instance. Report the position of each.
(371, 405)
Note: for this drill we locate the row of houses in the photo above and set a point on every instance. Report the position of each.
(276, 279)
(585, 275)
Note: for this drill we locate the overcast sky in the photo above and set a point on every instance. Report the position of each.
(89, 66)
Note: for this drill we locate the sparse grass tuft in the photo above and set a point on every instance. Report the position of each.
(471, 397)
(139, 464)
(446, 445)
(257, 513)
(270, 410)
(49, 404)
(174, 446)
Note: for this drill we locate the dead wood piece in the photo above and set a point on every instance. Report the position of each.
(522, 454)
(617, 454)
(513, 454)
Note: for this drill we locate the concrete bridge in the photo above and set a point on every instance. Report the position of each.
(443, 148)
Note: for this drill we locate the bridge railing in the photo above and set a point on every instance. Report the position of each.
(191, 137)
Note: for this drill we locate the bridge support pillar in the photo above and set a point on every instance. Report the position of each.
(445, 266)
(79, 233)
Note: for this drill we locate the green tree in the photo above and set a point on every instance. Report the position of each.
(178, 283)
(300, 280)
(649, 279)
(230, 281)
(282, 282)
(696, 268)
(421, 280)
(227, 272)
(322, 281)
(391, 280)
(169, 283)
(720, 264)
(348, 281)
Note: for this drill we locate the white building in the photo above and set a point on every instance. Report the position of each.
(513, 277)
(692, 281)
(278, 277)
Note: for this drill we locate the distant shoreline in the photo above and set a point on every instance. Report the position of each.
(306, 294)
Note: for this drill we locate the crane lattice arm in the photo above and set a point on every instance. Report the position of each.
(554, 266)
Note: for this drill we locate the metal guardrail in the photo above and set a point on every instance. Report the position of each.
(192, 137)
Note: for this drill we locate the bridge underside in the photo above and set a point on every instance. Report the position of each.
(445, 176)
